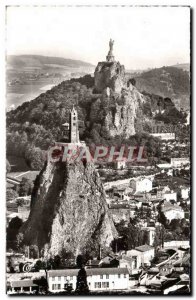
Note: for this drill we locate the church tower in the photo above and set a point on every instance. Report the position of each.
(73, 128)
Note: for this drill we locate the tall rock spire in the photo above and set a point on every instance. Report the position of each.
(110, 74)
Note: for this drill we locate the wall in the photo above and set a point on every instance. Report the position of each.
(115, 283)
(177, 244)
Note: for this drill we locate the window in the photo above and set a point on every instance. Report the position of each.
(125, 275)
(53, 278)
(59, 277)
(118, 275)
(107, 276)
(56, 286)
(74, 118)
(65, 277)
(97, 285)
(101, 276)
(71, 277)
(74, 124)
(105, 285)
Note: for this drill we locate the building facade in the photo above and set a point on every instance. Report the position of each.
(98, 279)
(141, 185)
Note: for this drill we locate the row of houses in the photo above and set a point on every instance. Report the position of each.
(98, 279)
(167, 277)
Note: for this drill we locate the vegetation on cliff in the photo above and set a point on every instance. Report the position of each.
(35, 125)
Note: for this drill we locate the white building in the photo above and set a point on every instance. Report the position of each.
(22, 286)
(179, 162)
(141, 256)
(141, 185)
(98, 279)
(170, 196)
(173, 212)
(185, 192)
(164, 135)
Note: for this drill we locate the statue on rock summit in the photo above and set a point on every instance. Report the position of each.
(110, 56)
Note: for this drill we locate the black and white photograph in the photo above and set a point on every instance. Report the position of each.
(98, 150)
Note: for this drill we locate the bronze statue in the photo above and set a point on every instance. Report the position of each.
(110, 56)
(111, 44)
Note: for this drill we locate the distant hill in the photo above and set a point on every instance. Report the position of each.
(172, 82)
(40, 61)
(185, 67)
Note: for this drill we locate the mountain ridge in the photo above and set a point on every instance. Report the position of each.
(41, 60)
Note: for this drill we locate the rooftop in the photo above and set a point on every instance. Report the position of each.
(22, 283)
(144, 248)
(89, 272)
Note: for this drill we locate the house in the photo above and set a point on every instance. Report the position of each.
(179, 162)
(98, 279)
(109, 261)
(93, 263)
(22, 286)
(126, 262)
(141, 256)
(172, 211)
(141, 185)
(170, 196)
(185, 192)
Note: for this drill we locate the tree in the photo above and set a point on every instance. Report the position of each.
(12, 231)
(81, 285)
(42, 283)
(175, 224)
(19, 240)
(20, 201)
(57, 262)
(26, 187)
(34, 251)
(11, 195)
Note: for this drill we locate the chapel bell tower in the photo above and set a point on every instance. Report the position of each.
(73, 128)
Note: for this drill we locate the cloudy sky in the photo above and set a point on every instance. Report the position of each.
(144, 36)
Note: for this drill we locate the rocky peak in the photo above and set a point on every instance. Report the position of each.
(120, 100)
(69, 210)
(109, 74)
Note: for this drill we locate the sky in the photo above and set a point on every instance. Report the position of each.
(145, 37)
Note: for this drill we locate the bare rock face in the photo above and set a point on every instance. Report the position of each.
(121, 119)
(69, 210)
(109, 74)
(120, 102)
(118, 112)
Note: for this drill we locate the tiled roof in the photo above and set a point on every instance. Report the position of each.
(144, 248)
(89, 272)
(22, 283)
